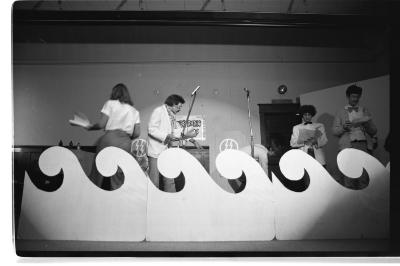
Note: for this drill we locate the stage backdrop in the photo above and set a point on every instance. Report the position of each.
(53, 80)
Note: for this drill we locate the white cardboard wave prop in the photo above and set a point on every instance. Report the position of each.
(328, 210)
(202, 211)
(79, 210)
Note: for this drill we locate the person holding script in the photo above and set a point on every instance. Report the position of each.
(121, 124)
(309, 136)
(353, 124)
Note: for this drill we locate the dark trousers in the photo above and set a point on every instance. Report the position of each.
(164, 184)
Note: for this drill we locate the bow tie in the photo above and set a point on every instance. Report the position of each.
(307, 123)
(351, 109)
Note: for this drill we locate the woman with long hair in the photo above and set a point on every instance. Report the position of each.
(121, 123)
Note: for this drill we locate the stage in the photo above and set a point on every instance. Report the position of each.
(274, 248)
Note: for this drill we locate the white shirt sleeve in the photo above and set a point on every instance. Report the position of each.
(295, 138)
(106, 108)
(138, 118)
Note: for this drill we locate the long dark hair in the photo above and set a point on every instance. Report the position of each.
(120, 92)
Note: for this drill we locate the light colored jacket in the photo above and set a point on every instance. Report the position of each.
(158, 128)
(321, 140)
(341, 117)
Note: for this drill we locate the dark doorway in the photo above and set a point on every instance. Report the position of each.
(276, 123)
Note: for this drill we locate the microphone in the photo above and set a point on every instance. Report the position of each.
(247, 91)
(195, 90)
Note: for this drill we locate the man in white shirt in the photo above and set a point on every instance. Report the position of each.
(162, 131)
(353, 124)
(309, 136)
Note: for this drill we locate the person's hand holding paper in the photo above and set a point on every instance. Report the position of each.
(80, 119)
(313, 140)
(306, 135)
(357, 122)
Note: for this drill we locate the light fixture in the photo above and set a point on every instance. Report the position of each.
(282, 89)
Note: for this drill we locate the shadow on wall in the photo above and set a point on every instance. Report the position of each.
(331, 149)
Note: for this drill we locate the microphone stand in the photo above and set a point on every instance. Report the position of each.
(251, 127)
(187, 118)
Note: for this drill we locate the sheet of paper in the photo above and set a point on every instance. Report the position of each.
(306, 134)
(80, 119)
(358, 121)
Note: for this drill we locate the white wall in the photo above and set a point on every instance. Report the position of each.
(51, 81)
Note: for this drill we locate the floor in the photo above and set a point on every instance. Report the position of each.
(342, 248)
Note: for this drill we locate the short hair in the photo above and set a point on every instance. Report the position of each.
(307, 109)
(120, 92)
(353, 89)
(174, 99)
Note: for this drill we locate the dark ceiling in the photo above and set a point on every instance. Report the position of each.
(32, 25)
(238, 35)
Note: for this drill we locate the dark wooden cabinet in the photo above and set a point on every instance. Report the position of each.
(277, 121)
(276, 125)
